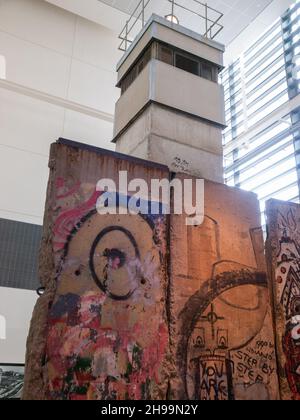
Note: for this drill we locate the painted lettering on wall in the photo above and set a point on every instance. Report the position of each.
(222, 337)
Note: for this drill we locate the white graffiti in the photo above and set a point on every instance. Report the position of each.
(296, 329)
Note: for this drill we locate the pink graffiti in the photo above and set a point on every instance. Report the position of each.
(151, 360)
(89, 339)
(66, 221)
(60, 183)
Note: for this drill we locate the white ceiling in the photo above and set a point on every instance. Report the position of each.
(238, 14)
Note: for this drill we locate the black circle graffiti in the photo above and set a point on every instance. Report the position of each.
(102, 283)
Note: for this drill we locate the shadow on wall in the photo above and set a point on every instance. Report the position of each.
(2, 67)
(2, 328)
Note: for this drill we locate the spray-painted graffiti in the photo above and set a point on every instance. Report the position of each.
(113, 259)
(107, 334)
(222, 359)
(225, 348)
(288, 294)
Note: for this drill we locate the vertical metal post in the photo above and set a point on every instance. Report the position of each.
(143, 13)
(206, 20)
(126, 36)
(173, 7)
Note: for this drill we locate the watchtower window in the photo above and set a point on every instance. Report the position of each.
(165, 54)
(173, 57)
(136, 70)
(129, 79)
(142, 63)
(187, 64)
(206, 71)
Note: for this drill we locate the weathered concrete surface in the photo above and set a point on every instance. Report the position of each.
(283, 256)
(34, 386)
(176, 89)
(147, 307)
(184, 143)
(222, 326)
(101, 329)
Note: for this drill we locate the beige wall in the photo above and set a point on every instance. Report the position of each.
(57, 78)
(16, 308)
(187, 92)
(61, 58)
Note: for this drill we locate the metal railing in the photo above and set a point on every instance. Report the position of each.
(210, 16)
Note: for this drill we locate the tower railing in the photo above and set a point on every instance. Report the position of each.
(207, 14)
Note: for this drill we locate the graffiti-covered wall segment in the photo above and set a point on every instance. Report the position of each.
(224, 333)
(284, 260)
(109, 289)
(107, 330)
(144, 306)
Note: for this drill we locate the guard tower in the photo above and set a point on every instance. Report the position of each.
(171, 108)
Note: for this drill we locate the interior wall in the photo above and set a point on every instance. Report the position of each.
(51, 51)
(53, 65)
(15, 313)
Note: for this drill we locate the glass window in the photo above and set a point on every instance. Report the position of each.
(144, 60)
(206, 71)
(129, 79)
(187, 64)
(257, 86)
(165, 54)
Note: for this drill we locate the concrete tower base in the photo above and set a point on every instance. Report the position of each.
(182, 142)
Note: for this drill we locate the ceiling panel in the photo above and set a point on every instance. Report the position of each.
(238, 14)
